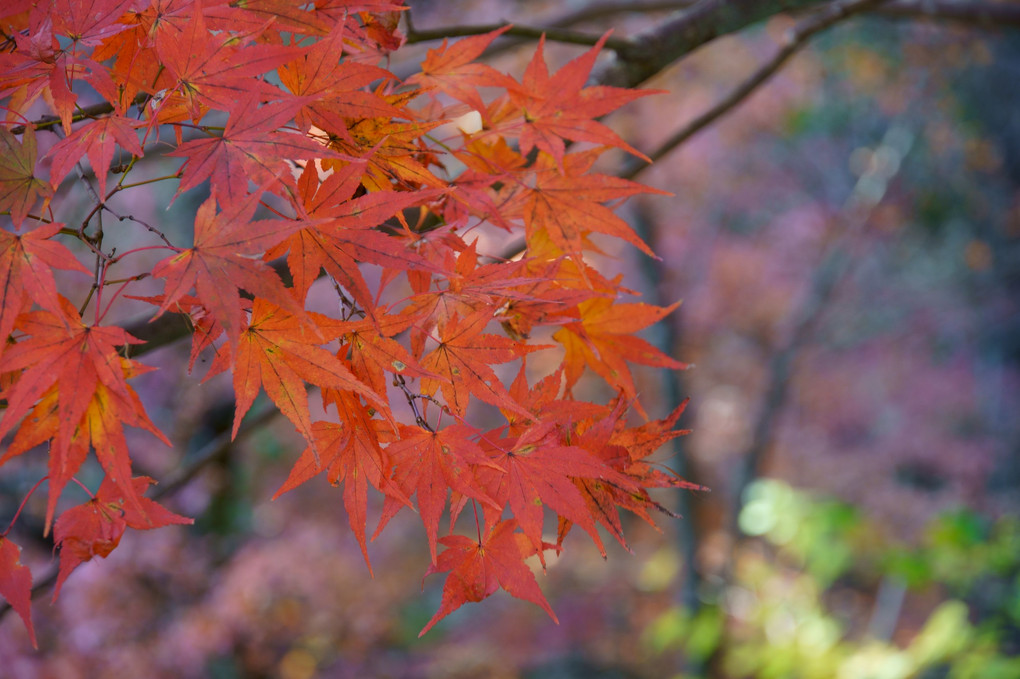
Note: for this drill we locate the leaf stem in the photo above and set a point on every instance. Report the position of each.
(478, 527)
(24, 501)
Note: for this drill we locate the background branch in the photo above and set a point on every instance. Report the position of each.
(835, 263)
(797, 38)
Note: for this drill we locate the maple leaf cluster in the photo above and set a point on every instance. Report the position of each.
(320, 161)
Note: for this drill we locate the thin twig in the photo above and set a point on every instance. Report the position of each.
(93, 111)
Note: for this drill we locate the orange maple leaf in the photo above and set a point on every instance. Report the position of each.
(463, 358)
(604, 341)
(560, 107)
(568, 204)
(281, 353)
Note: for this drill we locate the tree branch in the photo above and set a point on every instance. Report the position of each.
(93, 111)
(797, 38)
(599, 10)
(589, 13)
(651, 51)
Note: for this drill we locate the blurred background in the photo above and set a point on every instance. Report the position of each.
(847, 246)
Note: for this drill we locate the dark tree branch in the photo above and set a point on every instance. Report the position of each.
(650, 52)
(654, 50)
(599, 10)
(589, 13)
(797, 38)
(93, 111)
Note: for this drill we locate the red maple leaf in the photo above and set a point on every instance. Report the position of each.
(255, 15)
(49, 56)
(625, 450)
(373, 351)
(350, 454)
(98, 140)
(344, 233)
(254, 147)
(449, 69)
(332, 90)
(430, 464)
(26, 264)
(212, 70)
(137, 66)
(219, 264)
(642, 441)
(470, 287)
(539, 472)
(560, 107)
(96, 527)
(87, 22)
(478, 567)
(16, 583)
